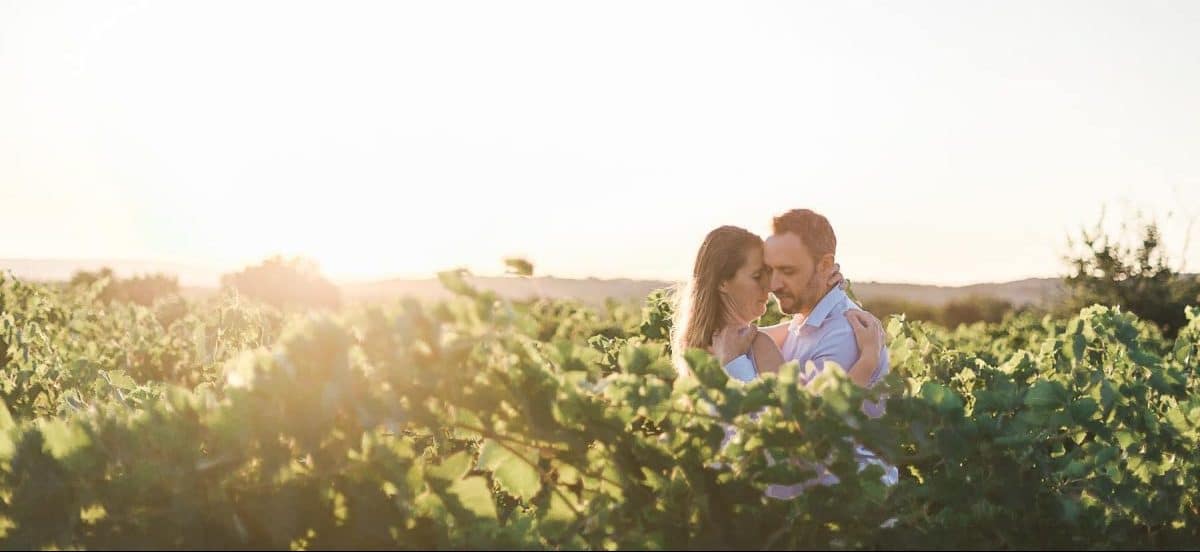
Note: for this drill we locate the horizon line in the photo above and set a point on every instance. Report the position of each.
(366, 280)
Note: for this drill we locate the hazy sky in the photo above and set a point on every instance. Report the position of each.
(950, 142)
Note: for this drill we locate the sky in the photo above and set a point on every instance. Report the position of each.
(947, 142)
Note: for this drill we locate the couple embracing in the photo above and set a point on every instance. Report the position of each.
(733, 274)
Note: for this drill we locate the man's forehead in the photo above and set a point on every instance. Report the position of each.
(785, 249)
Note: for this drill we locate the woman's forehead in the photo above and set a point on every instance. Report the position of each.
(754, 259)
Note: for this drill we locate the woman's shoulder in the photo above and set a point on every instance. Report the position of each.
(764, 352)
(777, 333)
(763, 342)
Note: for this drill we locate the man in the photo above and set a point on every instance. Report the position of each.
(800, 253)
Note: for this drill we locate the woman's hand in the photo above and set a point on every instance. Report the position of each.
(732, 341)
(868, 331)
(836, 279)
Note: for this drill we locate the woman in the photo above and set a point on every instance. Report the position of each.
(728, 292)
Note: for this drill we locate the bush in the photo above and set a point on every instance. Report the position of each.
(468, 425)
(285, 283)
(966, 310)
(1138, 279)
(141, 289)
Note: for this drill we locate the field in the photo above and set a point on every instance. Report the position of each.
(483, 422)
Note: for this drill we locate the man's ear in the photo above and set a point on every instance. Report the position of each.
(825, 264)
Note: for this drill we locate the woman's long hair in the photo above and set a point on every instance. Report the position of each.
(699, 309)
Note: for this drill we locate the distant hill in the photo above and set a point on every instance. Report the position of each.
(198, 281)
(51, 270)
(1030, 291)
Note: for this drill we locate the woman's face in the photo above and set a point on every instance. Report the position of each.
(747, 289)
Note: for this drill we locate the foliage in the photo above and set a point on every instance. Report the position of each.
(963, 310)
(1137, 278)
(141, 289)
(480, 423)
(519, 266)
(285, 283)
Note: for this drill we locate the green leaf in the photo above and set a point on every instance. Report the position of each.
(7, 426)
(1084, 409)
(706, 368)
(1078, 344)
(1046, 394)
(789, 373)
(1177, 420)
(1075, 469)
(62, 438)
(119, 379)
(475, 496)
(943, 399)
(465, 418)
(1106, 454)
(6, 419)
(514, 473)
(1125, 438)
(1144, 358)
(952, 445)
(452, 468)
(558, 516)
(1108, 395)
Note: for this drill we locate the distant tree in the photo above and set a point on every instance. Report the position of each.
(964, 310)
(1137, 278)
(140, 289)
(146, 289)
(86, 278)
(519, 266)
(975, 308)
(295, 282)
(883, 307)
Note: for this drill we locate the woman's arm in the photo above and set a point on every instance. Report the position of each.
(868, 332)
(767, 357)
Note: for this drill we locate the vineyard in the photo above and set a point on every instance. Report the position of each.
(483, 423)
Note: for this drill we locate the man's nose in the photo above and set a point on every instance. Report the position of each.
(776, 283)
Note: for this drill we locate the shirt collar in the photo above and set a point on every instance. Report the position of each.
(820, 312)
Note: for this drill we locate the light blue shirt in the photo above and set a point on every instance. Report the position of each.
(826, 335)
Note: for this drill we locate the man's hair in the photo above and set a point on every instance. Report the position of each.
(812, 228)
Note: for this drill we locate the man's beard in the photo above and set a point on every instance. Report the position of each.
(809, 295)
(787, 303)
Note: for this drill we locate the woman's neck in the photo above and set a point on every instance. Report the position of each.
(737, 321)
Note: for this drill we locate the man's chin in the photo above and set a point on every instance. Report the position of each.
(786, 306)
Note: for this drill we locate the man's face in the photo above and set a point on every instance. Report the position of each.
(795, 276)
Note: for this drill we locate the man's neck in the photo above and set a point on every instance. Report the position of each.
(811, 303)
